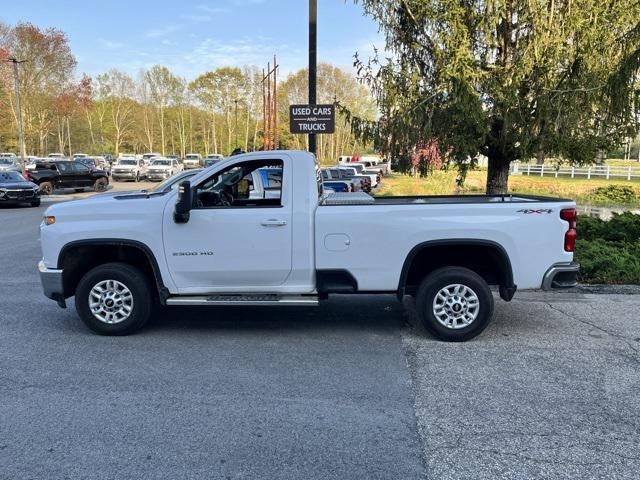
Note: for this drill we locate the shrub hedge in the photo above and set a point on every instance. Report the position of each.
(609, 251)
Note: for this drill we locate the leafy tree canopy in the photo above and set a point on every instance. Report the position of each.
(504, 78)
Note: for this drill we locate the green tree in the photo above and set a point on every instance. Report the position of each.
(508, 79)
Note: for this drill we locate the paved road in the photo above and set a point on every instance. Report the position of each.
(347, 390)
(245, 393)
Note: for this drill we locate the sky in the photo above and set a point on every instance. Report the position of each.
(194, 36)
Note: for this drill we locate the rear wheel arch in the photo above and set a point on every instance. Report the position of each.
(487, 258)
(79, 257)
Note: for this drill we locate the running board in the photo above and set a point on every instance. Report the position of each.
(244, 300)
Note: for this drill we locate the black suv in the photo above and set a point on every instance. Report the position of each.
(14, 189)
(57, 174)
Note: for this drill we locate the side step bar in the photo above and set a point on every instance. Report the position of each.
(244, 300)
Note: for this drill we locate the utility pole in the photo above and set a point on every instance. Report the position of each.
(313, 20)
(16, 85)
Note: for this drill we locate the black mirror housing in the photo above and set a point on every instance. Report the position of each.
(183, 204)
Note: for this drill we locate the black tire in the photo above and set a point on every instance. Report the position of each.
(46, 188)
(100, 185)
(78, 190)
(137, 284)
(35, 203)
(137, 179)
(438, 280)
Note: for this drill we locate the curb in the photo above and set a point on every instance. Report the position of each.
(606, 289)
(58, 198)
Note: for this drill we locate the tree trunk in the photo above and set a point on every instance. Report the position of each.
(540, 157)
(497, 175)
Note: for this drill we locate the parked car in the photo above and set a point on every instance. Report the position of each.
(55, 174)
(78, 156)
(357, 169)
(360, 183)
(130, 169)
(102, 163)
(15, 189)
(210, 244)
(340, 186)
(192, 160)
(10, 164)
(56, 155)
(214, 156)
(148, 156)
(163, 168)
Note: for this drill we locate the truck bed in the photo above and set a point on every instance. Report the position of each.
(361, 198)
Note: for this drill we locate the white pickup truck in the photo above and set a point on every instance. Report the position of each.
(218, 240)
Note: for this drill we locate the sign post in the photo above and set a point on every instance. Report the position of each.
(313, 18)
(312, 119)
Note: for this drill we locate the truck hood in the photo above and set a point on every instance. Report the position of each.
(159, 167)
(111, 205)
(125, 167)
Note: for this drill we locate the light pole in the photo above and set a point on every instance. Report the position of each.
(16, 86)
(236, 102)
(313, 19)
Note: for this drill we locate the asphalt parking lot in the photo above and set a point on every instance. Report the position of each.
(351, 389)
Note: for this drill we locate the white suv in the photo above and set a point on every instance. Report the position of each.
(132, 169)
(163, 168)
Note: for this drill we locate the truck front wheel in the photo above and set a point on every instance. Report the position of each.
(454, 304)
(114, 299)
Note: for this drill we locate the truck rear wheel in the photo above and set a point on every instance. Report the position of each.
(454, 304)
(46, 188)
(114, 299)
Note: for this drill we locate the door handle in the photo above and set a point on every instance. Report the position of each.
(273, 222)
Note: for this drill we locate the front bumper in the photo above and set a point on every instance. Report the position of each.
(131, 174)
(561, 275)
(158, 176)
(52, 285)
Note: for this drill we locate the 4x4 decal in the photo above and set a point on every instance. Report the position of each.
(538, 211)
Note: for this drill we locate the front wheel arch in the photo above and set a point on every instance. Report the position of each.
(77, 258)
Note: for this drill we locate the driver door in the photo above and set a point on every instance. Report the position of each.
(240, 244)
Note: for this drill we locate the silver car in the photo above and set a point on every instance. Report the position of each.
(10, 164)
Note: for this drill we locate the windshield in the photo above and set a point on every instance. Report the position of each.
(6, 177)
(161, 162)
(191, 157)
(5, 161)
(172, 183)
(128, 162)
(147, 156)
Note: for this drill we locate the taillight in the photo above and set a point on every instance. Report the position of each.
(26, 176)
(570, 215)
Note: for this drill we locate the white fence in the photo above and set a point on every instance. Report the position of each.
(599, 171)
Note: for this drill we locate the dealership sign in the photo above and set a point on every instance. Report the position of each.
(312, 118)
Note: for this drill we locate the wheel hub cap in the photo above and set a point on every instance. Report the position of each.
(456, 306)
(111, 301)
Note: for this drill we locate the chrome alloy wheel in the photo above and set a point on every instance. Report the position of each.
(456, 306)
(110, 301)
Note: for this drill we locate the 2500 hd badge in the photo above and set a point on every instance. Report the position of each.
(191, 254)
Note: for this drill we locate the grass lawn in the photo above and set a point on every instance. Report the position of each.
(444, 183)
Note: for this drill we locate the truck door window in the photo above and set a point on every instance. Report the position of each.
(236, 186)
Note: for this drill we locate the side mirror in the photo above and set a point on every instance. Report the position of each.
(183, 204)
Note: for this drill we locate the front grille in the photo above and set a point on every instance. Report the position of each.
(19, 194)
